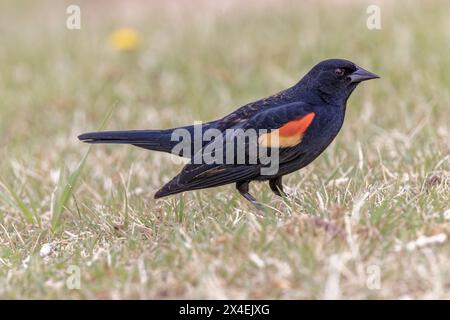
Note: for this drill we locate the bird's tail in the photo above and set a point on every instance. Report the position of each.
(158, 140)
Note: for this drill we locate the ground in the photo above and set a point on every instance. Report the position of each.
(370, 218)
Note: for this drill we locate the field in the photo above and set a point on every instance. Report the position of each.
(370, 218)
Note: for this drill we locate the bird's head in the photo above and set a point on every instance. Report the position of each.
(335, 79)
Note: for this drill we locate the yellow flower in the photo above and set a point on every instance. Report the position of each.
(124, 39)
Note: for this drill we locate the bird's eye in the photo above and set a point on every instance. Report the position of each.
(339, 72)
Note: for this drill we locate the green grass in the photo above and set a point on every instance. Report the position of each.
(382, 185)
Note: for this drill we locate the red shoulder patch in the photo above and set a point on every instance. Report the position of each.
(288, 135)
(297, 126)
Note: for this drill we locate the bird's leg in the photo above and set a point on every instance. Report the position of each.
(277, 186)
(242, 187)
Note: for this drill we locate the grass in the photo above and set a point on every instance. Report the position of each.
(376, 202)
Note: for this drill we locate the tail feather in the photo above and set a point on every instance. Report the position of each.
(133, 136)
(158, 140)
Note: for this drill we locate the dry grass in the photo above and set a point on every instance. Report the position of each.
(376, 200)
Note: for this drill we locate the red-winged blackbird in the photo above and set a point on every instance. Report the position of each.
(298, 123)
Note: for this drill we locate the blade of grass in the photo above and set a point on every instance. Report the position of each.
(15, 201)
(66, 190)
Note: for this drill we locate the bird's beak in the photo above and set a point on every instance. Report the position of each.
(362, 75)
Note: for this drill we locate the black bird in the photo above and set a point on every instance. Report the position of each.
(296, 125)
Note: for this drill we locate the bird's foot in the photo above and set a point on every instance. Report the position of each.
(243, 188)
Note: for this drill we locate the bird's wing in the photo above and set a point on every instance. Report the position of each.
(278, 129)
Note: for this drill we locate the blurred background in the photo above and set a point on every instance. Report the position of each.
(160, 64)
(202, 57)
